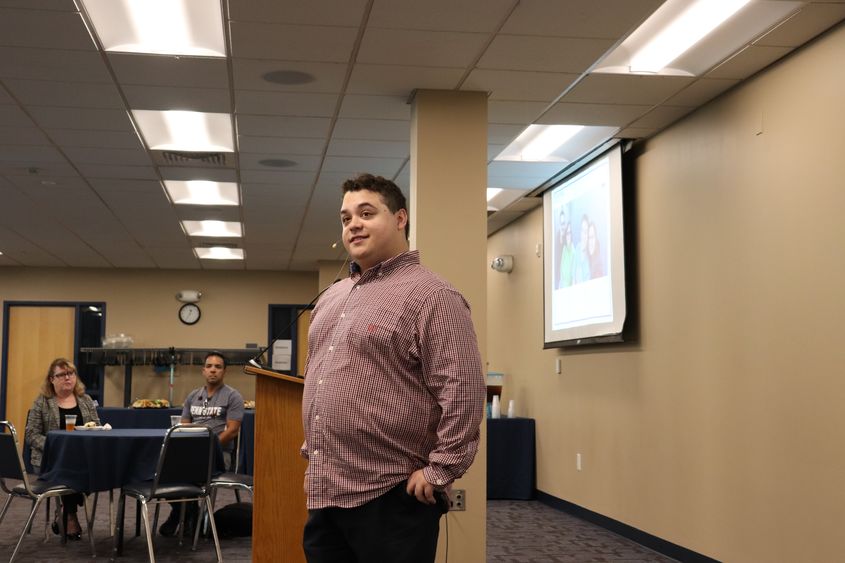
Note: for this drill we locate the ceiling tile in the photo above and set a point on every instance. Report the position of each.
(118, 171)
(46, 171)
(121, 185)
(344, 147)
(306, 163)
(276, 126)
(748, 62)
(565, 113)
(87, 155)
(325, 77)
(607, 19)
(44, 29)
(65, 94)
(285, 103)
(30, 153)
(357, 165)
(157, 70)
(635, 133)
(104, 139)
(514, 112)
(313, 12)
(22, 136)
(420, 48)
(5, 98)
(814, 18)
(372, 129)
(56, 5)
(281, 145)
(545, 54)
(52, 64)
(213, 100)
(440, 15)
(281, 179)
(313, 43)
(701, 91)
(503, 134)
(661, 117)
(375, 107)
(517, 85)
(81, 118)
(385, 80)
(13, 116)
(625, 89)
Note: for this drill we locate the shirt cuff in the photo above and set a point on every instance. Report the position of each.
(437, 477)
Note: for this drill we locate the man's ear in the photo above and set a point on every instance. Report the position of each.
(401, 219)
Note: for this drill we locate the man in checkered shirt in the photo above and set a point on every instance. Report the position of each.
(394, 392)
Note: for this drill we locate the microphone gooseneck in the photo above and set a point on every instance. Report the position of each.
(254, 360)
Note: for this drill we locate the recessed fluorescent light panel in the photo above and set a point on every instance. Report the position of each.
(554, 143)
(191, 131)
(689, 37)
(492, 192)
(220, 253)
(212, 228)
(161, 27)
(202, 192)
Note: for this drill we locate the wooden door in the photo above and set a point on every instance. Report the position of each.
(37, 336)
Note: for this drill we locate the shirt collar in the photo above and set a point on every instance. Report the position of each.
(406, 258)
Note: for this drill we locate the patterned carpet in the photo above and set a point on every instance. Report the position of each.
(517, 532)
(167, 550)
(520, 531)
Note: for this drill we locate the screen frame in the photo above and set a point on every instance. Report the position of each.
(613, 330)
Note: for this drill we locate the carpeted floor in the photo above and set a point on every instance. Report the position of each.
(34, 549)
(520, 531)
(517, 532)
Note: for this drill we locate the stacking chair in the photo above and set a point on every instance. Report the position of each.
(183, 474)
(231, 480)
(12, 467)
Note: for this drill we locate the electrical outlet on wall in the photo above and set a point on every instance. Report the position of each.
(457, 499)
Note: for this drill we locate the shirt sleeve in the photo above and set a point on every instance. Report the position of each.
(452, 371)
(186, 408)
(235, 408)
(35, 433)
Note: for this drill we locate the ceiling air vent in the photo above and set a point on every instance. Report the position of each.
(192, 158)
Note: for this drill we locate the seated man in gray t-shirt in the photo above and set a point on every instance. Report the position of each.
(217, 406)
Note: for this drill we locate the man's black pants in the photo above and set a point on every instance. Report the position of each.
(395, 527)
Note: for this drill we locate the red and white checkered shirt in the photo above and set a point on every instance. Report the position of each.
(393, 384)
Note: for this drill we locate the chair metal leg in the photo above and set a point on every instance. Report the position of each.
(111, 512)
(89, 523)
(146, 516)
(6, 507)
(214, 530)
(25, 527)
(155, 517)
(117, 543)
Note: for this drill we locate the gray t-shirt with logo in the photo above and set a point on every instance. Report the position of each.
(225, 404)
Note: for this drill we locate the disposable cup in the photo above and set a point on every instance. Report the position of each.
(70, 421)
(175, 419)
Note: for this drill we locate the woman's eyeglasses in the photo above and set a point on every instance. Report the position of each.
(66, 374)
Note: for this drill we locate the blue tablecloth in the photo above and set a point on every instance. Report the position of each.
(510, 458)
(121, 418)
(90, 461)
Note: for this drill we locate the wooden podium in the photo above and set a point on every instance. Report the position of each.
(279, 511)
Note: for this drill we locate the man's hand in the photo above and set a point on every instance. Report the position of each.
(420, 488)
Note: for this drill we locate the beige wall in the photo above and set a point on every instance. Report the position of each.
(142, 303)
(722, 429)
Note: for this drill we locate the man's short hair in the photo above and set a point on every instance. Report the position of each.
(389, 192)
(215, 353)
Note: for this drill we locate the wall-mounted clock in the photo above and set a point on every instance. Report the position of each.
(189, 313)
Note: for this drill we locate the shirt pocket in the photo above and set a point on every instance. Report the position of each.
(377, 332)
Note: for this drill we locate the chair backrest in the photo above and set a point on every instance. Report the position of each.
(236, 463)
(11, 462)
(186, 456)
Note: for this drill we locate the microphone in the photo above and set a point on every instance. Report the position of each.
(254, 360)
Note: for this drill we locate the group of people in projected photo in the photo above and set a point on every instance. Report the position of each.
(577, 260)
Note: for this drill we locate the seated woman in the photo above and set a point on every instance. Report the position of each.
(62, 393)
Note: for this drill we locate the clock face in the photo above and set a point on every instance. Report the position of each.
(189, 313)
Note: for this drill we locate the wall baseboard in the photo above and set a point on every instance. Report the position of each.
(659, 545)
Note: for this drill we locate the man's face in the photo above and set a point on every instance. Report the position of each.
(371, 232)
(214, 370)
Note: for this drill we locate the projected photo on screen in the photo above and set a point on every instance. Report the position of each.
(584, 254)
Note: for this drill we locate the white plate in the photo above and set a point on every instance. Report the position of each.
(190, 429)
(86, 428)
